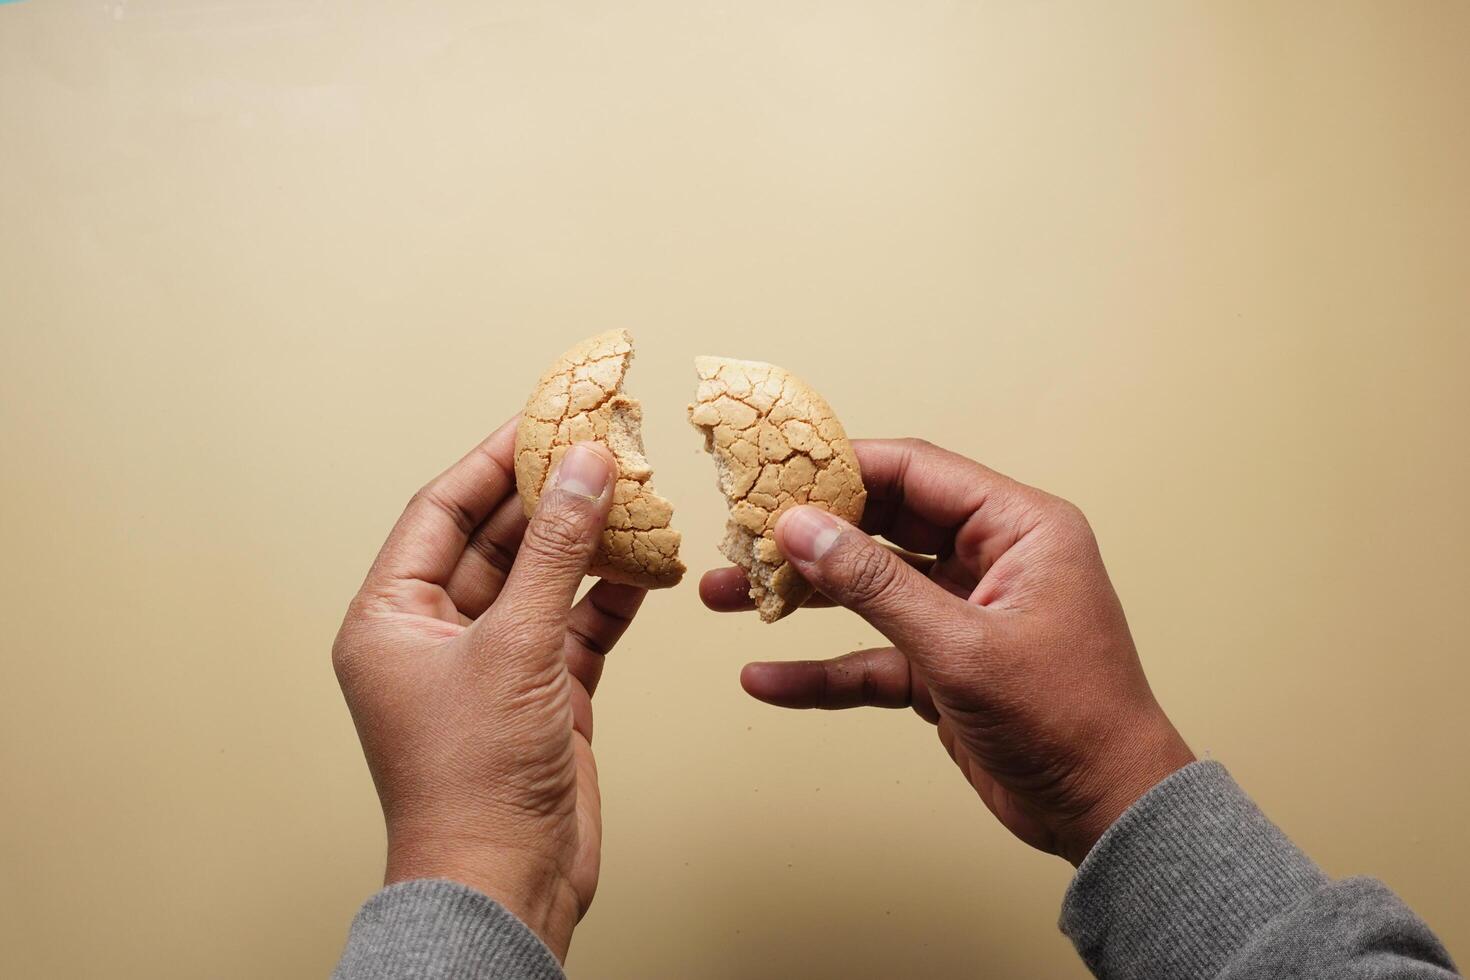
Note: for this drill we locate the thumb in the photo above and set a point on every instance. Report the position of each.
(557, 548)
(855, 571)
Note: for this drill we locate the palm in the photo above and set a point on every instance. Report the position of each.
(470, 671)
(427, 611)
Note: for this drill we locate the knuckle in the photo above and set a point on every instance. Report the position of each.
(432, 495)
(1070, 517)
(559, 528)
(823, 697)
(917, 444)
(867, 573)
(340, 657)
(589, 640)
(496, 555)
(421, 497)
(345, 658)
(346, 645)
(869, 688)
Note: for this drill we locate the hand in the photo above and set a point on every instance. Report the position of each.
(1011, 640)
(469, 674)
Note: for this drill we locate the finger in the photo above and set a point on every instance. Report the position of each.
(725, 590)
(594, 626)
(934, 501)
(487, 559)
(728, 589)
(429, 538)
(855, 571)
(581, 711)
(878, 678)
(555, 552)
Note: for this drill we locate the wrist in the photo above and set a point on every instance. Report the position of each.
(532, 890)
(1130, 766)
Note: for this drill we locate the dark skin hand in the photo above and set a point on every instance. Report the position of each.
(1008, 637)
(469, 671)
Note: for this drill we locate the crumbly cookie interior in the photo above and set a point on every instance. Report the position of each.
(775, 444)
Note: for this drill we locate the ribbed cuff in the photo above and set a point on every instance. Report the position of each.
(1182, 879)
(432, 928)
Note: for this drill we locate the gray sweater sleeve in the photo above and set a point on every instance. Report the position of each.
(431, 929)
(1194, 882)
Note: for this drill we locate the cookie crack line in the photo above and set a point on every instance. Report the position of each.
(608, 391)
(581, 397)
(776, 443)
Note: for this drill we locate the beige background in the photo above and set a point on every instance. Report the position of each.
(266, 267)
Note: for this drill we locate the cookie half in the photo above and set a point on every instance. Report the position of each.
(581, 398)
(776, 443)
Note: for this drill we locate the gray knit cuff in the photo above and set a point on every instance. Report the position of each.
(431, 928)
(1183, 878)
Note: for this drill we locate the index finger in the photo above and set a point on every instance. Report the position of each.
(429, 538)
(921, 497)
(728, 589)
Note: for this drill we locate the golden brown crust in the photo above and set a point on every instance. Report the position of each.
(581, 398)
(776, 444)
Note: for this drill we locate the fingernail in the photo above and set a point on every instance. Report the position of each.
(809, 532)
(582, 471)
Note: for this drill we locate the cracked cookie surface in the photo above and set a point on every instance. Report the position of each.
(581, 398)
(776, 443)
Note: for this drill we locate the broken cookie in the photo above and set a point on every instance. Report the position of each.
(776, 443)
(581, 398)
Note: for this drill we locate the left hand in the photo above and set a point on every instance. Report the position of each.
(1010, 640)
(469, 673)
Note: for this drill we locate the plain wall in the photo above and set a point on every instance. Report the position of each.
(267, 267)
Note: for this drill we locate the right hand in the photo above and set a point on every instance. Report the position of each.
(1011, 640)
